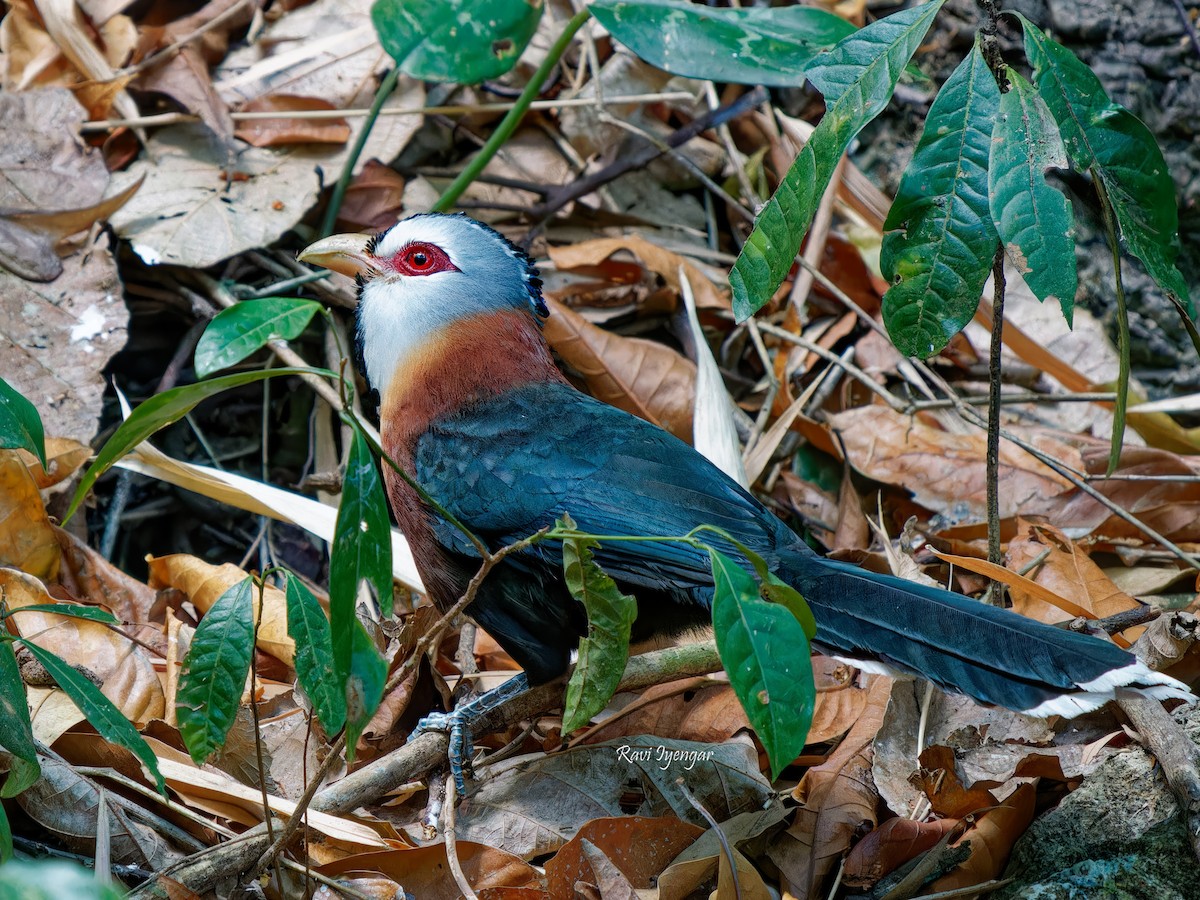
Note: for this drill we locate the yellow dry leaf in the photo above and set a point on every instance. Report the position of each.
(205, 583)
(27, 540)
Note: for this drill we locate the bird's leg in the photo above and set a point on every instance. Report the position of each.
(459, 723)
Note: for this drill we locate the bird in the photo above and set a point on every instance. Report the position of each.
(474, 407)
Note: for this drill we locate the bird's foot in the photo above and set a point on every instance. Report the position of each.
(456, 726)
(459, 724)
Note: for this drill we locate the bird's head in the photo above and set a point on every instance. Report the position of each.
(422, 275)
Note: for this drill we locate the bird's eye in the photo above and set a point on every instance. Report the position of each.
(419, 259)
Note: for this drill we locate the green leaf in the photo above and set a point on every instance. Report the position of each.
(744, 46)
(309, 628)
(235, 333)
(1034, 220)
(74, 610)
(364, 685)
(44, 879)
(766, 653)
(466, 41)
(108, 721)
(605, 650)
(362, 549)
(1111, 141)
(16, 730)
(857, 78)
(939, 240)
(20, 424)
(160, 411)
(214, 673)
(6, 845)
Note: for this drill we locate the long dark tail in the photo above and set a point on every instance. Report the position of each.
(990, 654)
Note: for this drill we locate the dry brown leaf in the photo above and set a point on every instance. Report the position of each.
(205, 583)
(640, 847)
(423, 871)
(837, 797)
(948, 796)
(1171, 508)
(891, 845)
(374, 199)
(662, 262)
(840, 700)
(284, 130)
(88, 576)
(1067, 571)
(944, 470)
(1016, 582)
(709, 715)
(64, 457)
(123, 670)
(991, 841)
(642, 377)
(27, 540)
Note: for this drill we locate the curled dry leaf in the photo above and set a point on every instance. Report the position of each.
(284, 130)
(124, 671)
(1065, 569)
(423, 870)
(52, 45)
(205, 583)
(947, 472)
(662, 262)
(27, 540)
(891, 845)
(836, 798)
(991, 841)
(64, 457)
(374, 199)
(642, 377)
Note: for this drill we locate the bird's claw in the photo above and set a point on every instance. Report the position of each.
(457, 727)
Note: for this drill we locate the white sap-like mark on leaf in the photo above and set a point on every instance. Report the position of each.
(90, 324)
(149, 255)
(362, 526)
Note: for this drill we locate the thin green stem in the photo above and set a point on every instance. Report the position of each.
(1122, 402)
(513, 118)
(339, 190)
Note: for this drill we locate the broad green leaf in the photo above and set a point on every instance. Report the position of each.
(74, 610)
(939, 240)
(364, 685)
(16, 731)
(45, 879)
(20, 424)
(239, 331)
(772, 587)
(466, 41)
(214, 673)
(605, 650)
(857, 78)
(160, 411)
(99, 710)
(1111, 141)
(1034, 220)
(362, 549)
(768, 46)
(766, 653)
(6, 849)
(309, 628)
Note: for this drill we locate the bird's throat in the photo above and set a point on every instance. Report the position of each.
(468, 360)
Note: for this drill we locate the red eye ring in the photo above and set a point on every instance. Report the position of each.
(418, 258)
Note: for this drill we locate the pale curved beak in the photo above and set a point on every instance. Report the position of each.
(344, 253)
